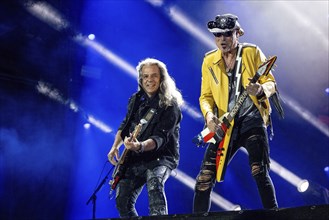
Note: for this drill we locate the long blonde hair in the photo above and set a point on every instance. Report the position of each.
(168, 91)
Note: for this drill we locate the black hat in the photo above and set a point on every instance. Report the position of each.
(224, 23)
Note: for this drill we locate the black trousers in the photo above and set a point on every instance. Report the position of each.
(256, 143)
(130, 187)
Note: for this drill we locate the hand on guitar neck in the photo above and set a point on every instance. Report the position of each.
(254, 89)
(131, 143)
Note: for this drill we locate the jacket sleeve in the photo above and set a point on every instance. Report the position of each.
(267, 82)
(206, 100)
(166, 125)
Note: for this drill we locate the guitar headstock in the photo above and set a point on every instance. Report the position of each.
(266, 66)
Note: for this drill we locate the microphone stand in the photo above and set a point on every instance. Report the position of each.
(93, 197)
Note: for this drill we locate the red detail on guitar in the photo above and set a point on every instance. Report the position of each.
(208, 137)
(115, 182)
(220, 145)
(224, 128)
(219, 152)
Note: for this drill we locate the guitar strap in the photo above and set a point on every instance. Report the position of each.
(145, 121)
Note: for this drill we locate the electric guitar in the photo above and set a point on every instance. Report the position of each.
(120, 168)
(206, 136)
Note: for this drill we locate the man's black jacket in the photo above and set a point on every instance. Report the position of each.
(163, 128)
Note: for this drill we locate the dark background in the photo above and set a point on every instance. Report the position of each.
(50, 164)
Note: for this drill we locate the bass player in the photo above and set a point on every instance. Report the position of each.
(152, 151)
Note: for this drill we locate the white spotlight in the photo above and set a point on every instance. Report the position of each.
(86, 125)
(99, 124)
(47, 14)
(303, 185)
(314, 193)
(157, 3)
(327, 91)
(236, 208)
(326, 171)
(91, 36)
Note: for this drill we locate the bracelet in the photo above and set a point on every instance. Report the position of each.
(141, 149)
(261, 97)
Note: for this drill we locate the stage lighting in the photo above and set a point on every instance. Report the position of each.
(327, 91)
(303, 186)
(326, 171)
(314, 193)
(91, 71)
(91, 37)
(73, 106)
(86, 125)
(236, 208)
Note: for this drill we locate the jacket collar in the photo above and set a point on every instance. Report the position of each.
(218, 56)
(143, 97)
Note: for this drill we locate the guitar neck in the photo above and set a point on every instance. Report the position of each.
(123, 156)
(125, 151)
(237, 106)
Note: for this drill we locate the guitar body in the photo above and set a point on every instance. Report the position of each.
(220, 138)
(120, 168)
(206, 136)
(223, 151)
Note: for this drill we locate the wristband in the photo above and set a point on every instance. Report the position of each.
(141, 148)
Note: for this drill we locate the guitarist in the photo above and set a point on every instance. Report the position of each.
(226, 73)
(155, 152)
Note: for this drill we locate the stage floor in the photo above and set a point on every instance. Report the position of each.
(316, 212)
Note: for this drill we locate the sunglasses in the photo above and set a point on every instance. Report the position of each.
(225, 34)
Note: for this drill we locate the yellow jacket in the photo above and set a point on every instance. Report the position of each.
(214, 87)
